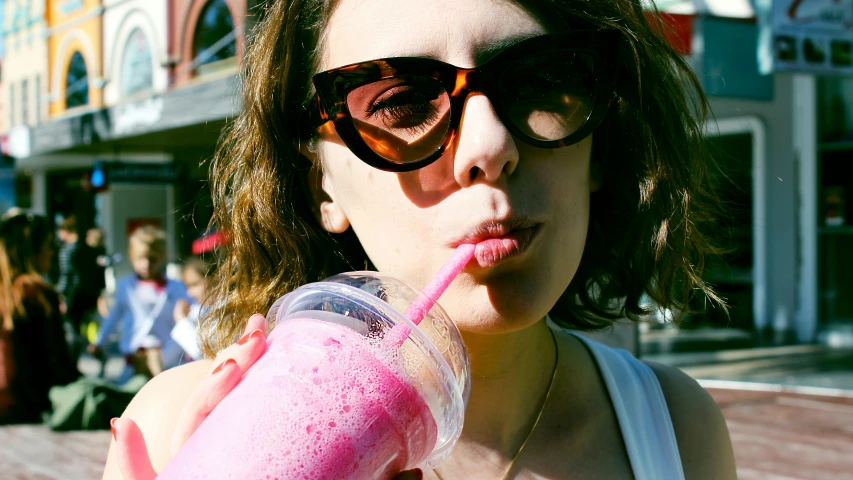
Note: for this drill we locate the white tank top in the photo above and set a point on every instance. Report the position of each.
(641, 410)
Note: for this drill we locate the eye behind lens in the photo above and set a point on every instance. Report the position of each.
(402, 119)
(548, 96)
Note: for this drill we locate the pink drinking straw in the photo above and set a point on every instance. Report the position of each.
(440, 281)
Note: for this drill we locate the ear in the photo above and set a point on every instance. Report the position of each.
(327, 211)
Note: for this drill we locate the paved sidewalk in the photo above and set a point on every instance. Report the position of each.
(784, 435)
(802, 365)
(32, 452)
(777, 435)
(779, 431)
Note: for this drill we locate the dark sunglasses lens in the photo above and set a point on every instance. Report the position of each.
(549, 96)
(403, 119)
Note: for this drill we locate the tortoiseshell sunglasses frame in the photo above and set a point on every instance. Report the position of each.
(333, 86)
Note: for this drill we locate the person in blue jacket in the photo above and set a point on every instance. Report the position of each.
(144, 303)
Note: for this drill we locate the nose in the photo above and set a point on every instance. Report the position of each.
(485, 149)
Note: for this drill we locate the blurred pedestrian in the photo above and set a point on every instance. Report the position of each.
(96, 260)
(144, 304)
(80, 277)
(185, 345)
(34, 355)
(95, 241)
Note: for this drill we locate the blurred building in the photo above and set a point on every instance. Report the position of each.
(784, 140)
(207, 39)
(136, 50)
(139, 92)
(23, 89)
(3, 127)
(75, 53)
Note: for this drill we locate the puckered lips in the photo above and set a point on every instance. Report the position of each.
(499, 240)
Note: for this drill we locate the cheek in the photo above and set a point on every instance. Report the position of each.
(559, 181)
(376, 205)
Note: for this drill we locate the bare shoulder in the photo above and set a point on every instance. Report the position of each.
(156, 409)
(700, 429)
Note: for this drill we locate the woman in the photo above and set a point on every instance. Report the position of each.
(562, 137)
(34, 355)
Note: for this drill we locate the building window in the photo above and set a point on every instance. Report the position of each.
(25, 92)
(77, 82)
(136, 64)
(215, 38)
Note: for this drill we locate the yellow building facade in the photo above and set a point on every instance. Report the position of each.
(24, 86)
(75, 55)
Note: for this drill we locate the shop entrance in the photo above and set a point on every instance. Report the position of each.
(732, 273)
(739, 275)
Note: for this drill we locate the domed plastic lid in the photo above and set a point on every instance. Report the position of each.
(436, 324)
(434, 353)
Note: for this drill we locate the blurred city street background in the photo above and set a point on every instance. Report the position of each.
(108, 109)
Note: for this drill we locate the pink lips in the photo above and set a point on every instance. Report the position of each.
(497, 242)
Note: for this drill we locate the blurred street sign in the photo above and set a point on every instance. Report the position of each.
(729, 66)
(806, 36)
(140, 116)
(106, 173)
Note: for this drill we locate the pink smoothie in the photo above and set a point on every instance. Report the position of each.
(322, 403)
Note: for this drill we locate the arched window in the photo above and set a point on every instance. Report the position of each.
(215, 38)
(136, 64)
(77, 82)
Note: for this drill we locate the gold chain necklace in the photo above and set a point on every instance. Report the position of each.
(541, 410)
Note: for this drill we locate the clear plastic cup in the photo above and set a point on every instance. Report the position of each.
(332, 397)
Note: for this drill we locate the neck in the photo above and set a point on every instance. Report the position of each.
(510, 374)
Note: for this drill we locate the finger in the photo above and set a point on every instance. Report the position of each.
(249, 348)
(203, 399)
(133, 460)
(416, 474)
(245, 352)
(256, 322)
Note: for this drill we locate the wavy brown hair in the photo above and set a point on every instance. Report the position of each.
(22, 236)
(646, 232)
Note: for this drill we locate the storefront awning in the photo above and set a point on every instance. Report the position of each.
(741, 9)
(173, 110)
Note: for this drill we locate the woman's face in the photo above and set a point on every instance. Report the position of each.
(527, 208)
(146, 262)
(195, 283)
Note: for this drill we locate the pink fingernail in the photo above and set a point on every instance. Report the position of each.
(245, 338)
(221, 365)
(113, 428)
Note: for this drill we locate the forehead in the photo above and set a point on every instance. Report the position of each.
(139, 248)
(454, 31)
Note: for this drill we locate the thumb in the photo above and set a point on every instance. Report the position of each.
(416, 474)
(133, 460)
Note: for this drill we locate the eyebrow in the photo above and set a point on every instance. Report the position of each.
(488, 51)
(482, 53)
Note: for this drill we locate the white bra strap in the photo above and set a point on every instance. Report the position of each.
(642, 412)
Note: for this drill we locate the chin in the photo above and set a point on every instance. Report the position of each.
(488, 310)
